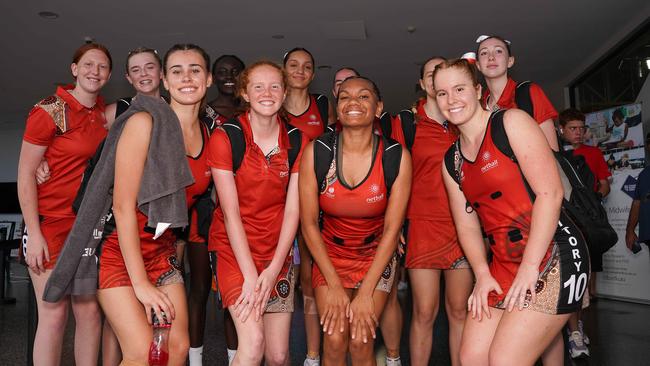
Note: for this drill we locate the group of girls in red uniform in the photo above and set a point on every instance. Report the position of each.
(343, 192)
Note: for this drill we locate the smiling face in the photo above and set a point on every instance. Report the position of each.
(426, 83)
(225, 72)
(186, 77)
(457, 94)
(493, 58)
(358, 103)
(92, 71)
(264, 89)
(300, 69)
(144, 73)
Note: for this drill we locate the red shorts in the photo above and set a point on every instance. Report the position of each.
(159, 261)
(55, 230)
(433, 245)
(351, 272)
(231, 280)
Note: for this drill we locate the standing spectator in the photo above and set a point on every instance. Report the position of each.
(572, 129)
(640, 210)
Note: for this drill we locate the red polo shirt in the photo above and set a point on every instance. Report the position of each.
(596, 162)
(542, 107)
(67, 154)
(261, 190)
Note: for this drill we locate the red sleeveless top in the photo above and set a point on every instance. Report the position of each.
(494, 187)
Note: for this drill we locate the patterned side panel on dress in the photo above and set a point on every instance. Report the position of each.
(56, 108)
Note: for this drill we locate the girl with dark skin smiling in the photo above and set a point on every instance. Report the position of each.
(352, 280)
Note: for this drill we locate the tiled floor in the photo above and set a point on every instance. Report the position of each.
(619, 332)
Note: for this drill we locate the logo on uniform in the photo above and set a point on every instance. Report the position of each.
(489, 166)
(486, 156)
(329, 192)
(313, 120)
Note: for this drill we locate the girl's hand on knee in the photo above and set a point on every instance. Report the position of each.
(153, 299)
(522, 290)
(363, 320)
(263, 288)
(336, 309)
(246, 300)
(477, 303)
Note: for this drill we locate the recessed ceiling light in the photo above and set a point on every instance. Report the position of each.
(324, 67)
(278, 36)
(48, 15)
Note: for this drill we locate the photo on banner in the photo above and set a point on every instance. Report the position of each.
(618, 132)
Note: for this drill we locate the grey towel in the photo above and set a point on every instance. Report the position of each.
(161, 197)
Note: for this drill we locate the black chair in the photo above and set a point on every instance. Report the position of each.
(7, 244)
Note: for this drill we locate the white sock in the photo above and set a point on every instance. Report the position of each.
(231, 355)
(196, 356)
(393, 361)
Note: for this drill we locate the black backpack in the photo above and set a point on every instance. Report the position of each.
(580, 201)
(407, 122)
(324, 155)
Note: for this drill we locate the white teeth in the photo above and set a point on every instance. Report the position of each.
(454, 110)
(145, 82)
(267, 102)
(229, 84)
(354, 113)
(187, 90)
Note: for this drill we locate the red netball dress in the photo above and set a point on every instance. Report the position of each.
(159, 255)
(432, 240)
(494, 187)
(311, 123)
(353, 223)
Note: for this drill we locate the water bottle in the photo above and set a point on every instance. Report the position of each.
(159, 349)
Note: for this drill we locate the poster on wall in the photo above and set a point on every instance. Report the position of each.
(618, 132)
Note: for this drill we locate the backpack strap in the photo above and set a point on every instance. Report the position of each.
(386, 124)
(407, 120)
(523, 99)
(323, 108)
(235, 134)
(500, 139)
(295, 142)
(454, 163)
(407, 123)
(391, 160)
(121, 105)
(323, 157)
(209, 117)
(57, 108)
